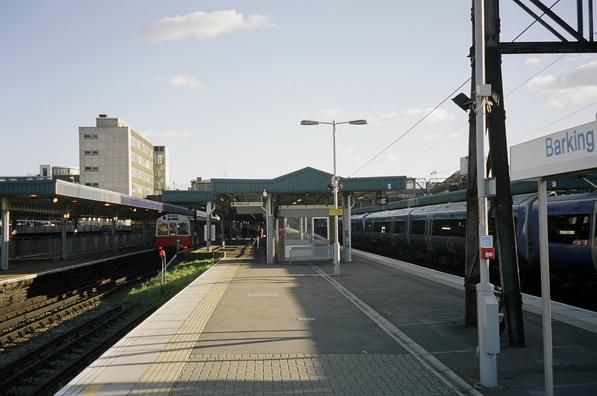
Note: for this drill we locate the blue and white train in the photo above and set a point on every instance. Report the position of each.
(437, 232)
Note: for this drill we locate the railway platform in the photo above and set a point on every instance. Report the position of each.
(382, 327)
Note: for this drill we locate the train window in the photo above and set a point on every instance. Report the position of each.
(449, 227)
(399, 227)
(162, 229)
(568, 229)
(172, 228)
(417, 227)
(183, 229)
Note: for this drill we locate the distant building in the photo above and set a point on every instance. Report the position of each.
(114, 157)
(160, 169)
(201, 185)
(67, 173)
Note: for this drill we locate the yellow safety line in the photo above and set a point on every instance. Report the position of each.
(171, 361)
(91, 390)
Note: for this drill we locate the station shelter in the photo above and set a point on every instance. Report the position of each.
(293, 213)
(56, 219)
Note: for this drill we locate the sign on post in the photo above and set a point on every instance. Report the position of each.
(566, 151)
(336, 212)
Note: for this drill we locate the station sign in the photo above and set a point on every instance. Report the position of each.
(566, 151)
(336, 212)
(236, 204)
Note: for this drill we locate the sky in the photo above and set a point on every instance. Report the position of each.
(225, 84)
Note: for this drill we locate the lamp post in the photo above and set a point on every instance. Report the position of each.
(335, 184)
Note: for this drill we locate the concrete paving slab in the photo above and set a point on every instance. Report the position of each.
(432, 314)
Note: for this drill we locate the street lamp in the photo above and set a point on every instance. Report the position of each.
(335, 184)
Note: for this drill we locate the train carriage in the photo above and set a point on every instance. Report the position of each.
(173, 231)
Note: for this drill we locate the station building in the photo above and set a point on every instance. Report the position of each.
(294, 213)
(114, 157)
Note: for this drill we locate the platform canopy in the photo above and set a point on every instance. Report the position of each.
(307, 186)
(58, 197)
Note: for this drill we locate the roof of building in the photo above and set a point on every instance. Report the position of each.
(56, 196)
(305, 180)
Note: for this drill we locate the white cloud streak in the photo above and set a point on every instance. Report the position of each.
(533, 60)
(182, 81)
(574, 87)
(204, 25)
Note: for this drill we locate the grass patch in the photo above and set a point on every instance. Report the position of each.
(151, 292)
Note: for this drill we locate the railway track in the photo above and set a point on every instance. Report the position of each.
(42, 369)
(40, 365)
(17, 324)
(30, 306)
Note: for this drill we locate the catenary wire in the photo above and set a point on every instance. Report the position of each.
(443, 101)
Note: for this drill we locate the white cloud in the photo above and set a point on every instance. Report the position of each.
(167, 134)
(204, 25)
(533, 60)
(574, 87)
(182, 81)
(438, 116)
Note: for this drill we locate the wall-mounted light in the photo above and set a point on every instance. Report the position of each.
(463, 101)
(264, 193)
(54, 200)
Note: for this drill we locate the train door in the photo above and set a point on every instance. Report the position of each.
(428, 244)
(593, 236)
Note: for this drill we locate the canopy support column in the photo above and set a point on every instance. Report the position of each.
(63, 237)
(269, 229)
(346, 229)
(5, 234)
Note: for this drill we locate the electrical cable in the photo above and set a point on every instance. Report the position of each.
(454, 91)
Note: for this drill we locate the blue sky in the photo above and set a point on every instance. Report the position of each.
(224, 84)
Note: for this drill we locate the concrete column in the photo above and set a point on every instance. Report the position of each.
(193, 230)
(268, 229)
(113, 235)
(347, 229)
(223, 232)
(301, 228)
(5, 235)
(208, 209)
(64, 238)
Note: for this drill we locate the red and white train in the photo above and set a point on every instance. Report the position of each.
(173, 230)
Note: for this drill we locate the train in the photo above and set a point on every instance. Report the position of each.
(173, 230)
(437, 233)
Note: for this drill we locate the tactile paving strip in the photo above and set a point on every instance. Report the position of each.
(169, 364)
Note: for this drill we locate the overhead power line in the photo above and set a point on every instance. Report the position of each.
(556, 121)
(449, 96)
(411, 128)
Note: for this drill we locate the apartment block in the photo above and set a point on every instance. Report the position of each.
(114, 157)
(160, 169)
